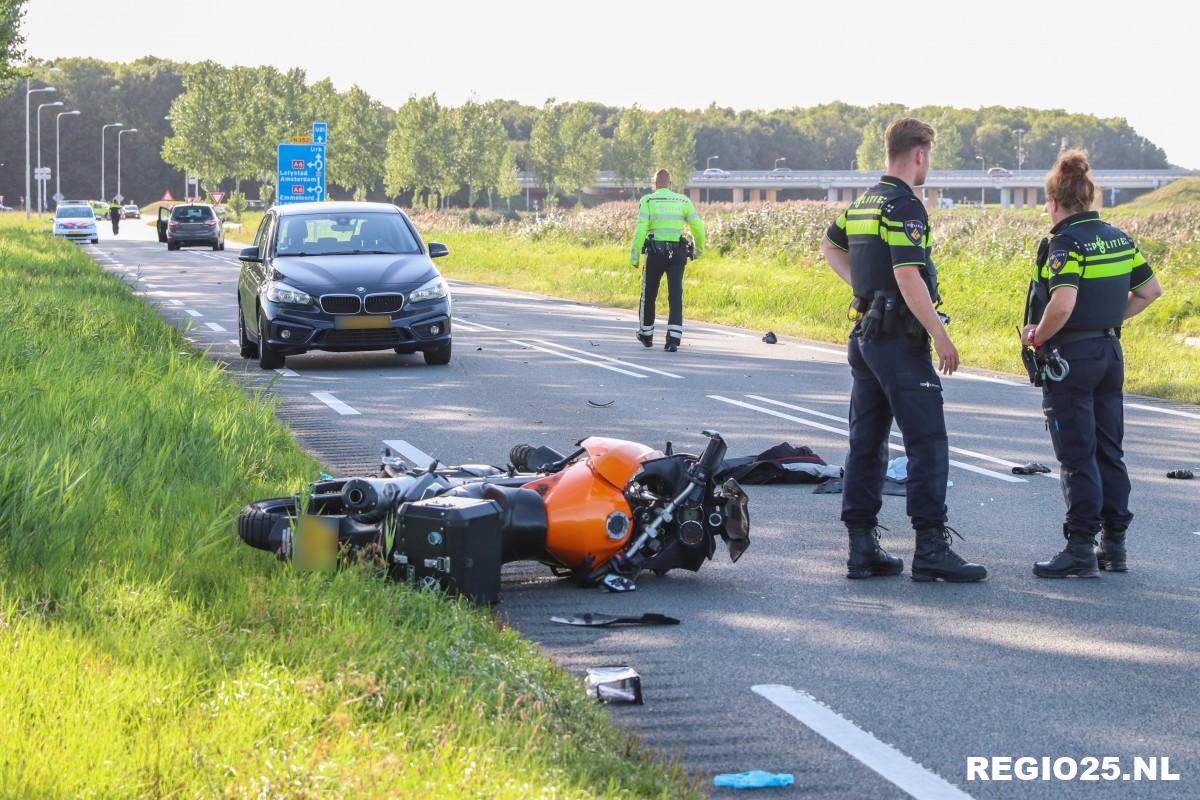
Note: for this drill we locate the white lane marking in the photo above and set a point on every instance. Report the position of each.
(175, 302)
(610, 360)
(235, 343)
(1157, 410)
(150, 285)
(726, 333)
(478, 325)
(561, 354)
(843, 432)
(287, 373)
(883, 759)
(414, 454)
(961, 451)
(337, 405)
(193, 313)
(831, 351)
(985, 379)
(465, 326)
(214, 326)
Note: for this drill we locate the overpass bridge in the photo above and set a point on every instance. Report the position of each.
(1016, 188)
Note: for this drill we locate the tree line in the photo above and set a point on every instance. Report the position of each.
(225, 122)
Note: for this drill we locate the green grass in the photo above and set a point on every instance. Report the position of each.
(1184, 193)
(763, 272)
(148, 653)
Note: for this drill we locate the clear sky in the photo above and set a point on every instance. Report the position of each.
(1131, 59)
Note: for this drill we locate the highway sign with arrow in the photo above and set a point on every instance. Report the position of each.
(320, 133)
(300, 173)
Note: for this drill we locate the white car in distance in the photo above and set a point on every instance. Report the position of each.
(75, 221)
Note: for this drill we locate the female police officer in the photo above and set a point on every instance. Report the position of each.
(1090, 279)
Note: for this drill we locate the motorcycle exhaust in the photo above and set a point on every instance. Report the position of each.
(374, 496)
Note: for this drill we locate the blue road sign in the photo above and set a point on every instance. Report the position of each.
(320, 133)
(300, 174)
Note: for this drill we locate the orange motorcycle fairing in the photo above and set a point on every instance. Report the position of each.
(586, 517)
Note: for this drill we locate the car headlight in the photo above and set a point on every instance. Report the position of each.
(435, 289)
(278, 292)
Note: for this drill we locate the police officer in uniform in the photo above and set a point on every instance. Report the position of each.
(881, 245)
(114, 214)
(662, 215)
(1090, 278)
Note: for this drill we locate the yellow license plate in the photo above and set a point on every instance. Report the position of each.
(360, 321)
(315, 543)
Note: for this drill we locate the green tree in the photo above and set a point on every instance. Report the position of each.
(508, 183)
(546, 152)
(358, 134)
(632, 155)
(204, 128)
(417, 148)
(948, 147)
(675, 146)
(11, 39)
(479, 142)
(871, 154)
(582, 150)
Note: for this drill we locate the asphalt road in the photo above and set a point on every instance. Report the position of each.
(891, 683)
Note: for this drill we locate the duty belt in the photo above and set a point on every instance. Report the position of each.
(1066, 337)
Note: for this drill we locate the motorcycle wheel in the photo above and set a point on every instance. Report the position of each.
(257, 521)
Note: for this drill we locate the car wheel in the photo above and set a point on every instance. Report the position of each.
(172, 245)
(216, 245)
(246, 347)
(95, 241)
(438, 356)
(268, 357)
(222, 247)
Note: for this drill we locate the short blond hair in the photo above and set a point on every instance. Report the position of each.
(906, 134)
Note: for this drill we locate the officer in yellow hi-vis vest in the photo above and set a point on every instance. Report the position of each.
(661, 217)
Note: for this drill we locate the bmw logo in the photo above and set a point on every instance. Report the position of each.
(360, 289)
(434, 538)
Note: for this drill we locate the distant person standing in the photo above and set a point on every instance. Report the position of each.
(881, 246)
(114, 214)
(1090, 278)
(662, 215)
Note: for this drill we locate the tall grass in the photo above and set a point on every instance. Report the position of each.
(763, 271)
(145, 652)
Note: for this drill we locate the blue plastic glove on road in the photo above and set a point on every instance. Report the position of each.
(754, 779)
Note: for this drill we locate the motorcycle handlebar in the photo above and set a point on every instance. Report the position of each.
(710, 460)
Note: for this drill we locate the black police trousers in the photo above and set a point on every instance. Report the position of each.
(1085, 415)
(657, 265)
(894, 378)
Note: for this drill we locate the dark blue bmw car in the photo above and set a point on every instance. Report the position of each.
(341, 277)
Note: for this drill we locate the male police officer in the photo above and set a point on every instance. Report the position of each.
(661, 217)
(880, 246)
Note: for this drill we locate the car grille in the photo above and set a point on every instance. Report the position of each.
(365, 337)
(340, 304)
(383, 303)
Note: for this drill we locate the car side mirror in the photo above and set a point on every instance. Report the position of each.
(250, 254)
(437, 250)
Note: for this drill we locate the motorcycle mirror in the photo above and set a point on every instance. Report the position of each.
(618, 583)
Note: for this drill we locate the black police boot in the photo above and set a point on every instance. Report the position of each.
(934, 559)
(672, 344)
(1111, 554)
(867, 559)
(647, 339)
(1078, 558)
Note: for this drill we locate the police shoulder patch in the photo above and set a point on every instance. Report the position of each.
(915, 229)
(1057, 260)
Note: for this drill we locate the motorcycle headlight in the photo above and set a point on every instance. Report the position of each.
(435, 289)
(278, 292)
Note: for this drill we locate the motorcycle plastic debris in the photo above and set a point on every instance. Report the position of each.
(897, 469)
(1181, 474)
(589, 620)
(754, 779)
(1032, 468)
(614, 684)
(618, 583)
(770, 338)
(606, 404)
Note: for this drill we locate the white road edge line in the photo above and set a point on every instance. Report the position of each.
(193, 313)
(214, 326)
(235, 343)
(337, 405)
(478, 325)
(882, 759)
(725, 333)
(288, 373)
(611, 360)
(1155, 409)
(843, 432)
(414, 454)
(561, 354)
(466, 326)
(962, 452)
(175, 302)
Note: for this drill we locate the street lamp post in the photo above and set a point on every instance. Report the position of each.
(42, 182)
(119, 135)
(169, 118)
(103, 130)
(777, 162)
(28, 170)
(1020, 132)
(707, 167)
(57, 153)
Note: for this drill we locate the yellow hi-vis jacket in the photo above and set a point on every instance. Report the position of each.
(662, 214)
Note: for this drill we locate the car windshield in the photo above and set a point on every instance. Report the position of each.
(192, 214)
(73, 212)
(349, 233)
(131, 208)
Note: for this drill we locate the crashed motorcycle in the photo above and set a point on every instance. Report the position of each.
(604, 514)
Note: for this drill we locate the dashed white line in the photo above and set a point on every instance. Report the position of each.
(611, 360)
(478, 325)
(287, 373)
(561, 354)
(337, 405)
(175, 302)
(883, 759)
(726, 333)
(843, 432)
(414, 454)
(1157, 410)
(193, 313)
(235, 343)
(215, 327)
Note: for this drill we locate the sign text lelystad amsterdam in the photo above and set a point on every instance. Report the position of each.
(300, 173)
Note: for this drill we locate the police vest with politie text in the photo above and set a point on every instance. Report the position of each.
(884, 229)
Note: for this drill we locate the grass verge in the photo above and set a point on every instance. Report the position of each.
(147, 652)
(763, 272)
